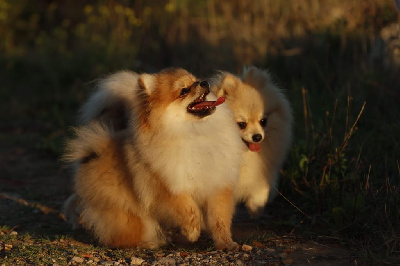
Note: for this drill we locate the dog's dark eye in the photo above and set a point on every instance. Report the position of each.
(185, 91)
(263, 122)
(242, 125)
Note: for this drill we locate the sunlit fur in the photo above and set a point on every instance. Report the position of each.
(251, 97)
(108, 103)
(168, 168)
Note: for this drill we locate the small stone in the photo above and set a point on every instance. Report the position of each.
(160, 254)
(78, 259)
(239, 263)
(288, 251)
(184, 254)
(136, 261)
(246, 247)
(7, 247)
(258, 244)
(14, 233)
(106, 262)
(288, 261)
(246, 256)
(283, 255)
(166, 261)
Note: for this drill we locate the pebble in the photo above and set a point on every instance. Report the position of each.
(246, 247)
(7, 247)
(77, 259)
(258, 244)
(14, 233)
(283, 255)
(184, 254)
(246, 257)
(288, 261)
(159, 254)
(166, 261)
(106, 262)
(239, 263)
(136, 261)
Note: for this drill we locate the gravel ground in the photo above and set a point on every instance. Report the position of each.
(247, 255)
(40, 245)
(33, 233)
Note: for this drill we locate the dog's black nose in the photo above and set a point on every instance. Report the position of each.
(257, 137)
(205, 84)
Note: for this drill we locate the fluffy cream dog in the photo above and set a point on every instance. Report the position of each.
(264, 117)
(170, 165)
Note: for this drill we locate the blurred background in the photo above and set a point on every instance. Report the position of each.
(338, 61)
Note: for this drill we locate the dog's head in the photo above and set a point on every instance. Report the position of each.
(248, 108)
(176, 92)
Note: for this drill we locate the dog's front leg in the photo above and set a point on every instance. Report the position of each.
(220, 208)
(183, 210)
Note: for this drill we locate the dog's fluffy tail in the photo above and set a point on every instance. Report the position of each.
(112, 95)
(90, 141)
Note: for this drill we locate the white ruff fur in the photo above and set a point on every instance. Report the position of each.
(195, 156)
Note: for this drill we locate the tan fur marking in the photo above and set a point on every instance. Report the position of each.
(128, 230)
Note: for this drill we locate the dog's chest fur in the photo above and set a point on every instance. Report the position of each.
(196, 157)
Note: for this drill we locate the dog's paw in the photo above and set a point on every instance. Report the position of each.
(229, 246)
(150, 245)
(191, 233)
(255, 205)
(191, 229)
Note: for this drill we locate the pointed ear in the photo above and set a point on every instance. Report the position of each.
(147, 83)
(255, 76)
(228, 84)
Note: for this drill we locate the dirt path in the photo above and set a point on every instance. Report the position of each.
(33, 187)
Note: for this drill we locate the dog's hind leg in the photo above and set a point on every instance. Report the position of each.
(120, 228)
(72, 211)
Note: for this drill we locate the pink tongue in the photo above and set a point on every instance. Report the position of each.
(219, 101)
(254, 147)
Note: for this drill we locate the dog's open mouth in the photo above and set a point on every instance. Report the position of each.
(256, 147)
(201, 107)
